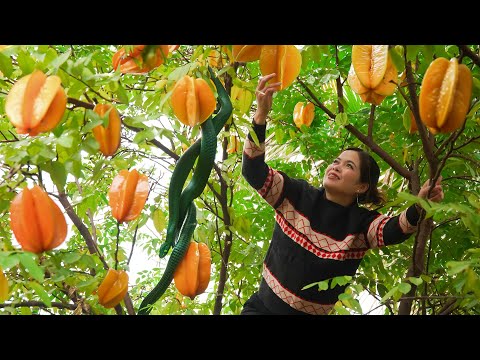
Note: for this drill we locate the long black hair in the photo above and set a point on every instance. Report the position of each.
(369, 173)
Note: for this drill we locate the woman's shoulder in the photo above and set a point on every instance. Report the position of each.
(365, 213)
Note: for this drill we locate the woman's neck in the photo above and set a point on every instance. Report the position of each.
(339, 198)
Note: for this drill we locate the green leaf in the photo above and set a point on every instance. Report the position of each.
(350, 302)
(342, 297)
(66, 141)
(92, 123)
(477, 105)
(412, 51)
(97, 169)
(74, 167)
(25, 311)
(87, 74)
(329, 75)
(143, 135)
(341, 119)
(26, 63)
(60, 275)
(397, 59)
(340, 280)
(40, 291)
(181, 71)
(317, 51)
(454, 267)
(389, 294)
(57, 173)
(159, 220)
(87, 261)
(86, 283)
(70, 258)
(8, 260)
(476, 86)
(341, 310)
(6, 65)
(415, 280)
(323, 285)
(305, 58)
(50, 55)
(426, 278)
(428, 51)
(279, 134)
(404, 287)
(28, 260)
(311, 285)
(59, 61)
(90, 145)
(122, 94)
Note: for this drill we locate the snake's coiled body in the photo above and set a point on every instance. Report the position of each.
(182, 211)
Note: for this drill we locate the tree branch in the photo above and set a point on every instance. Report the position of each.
(82, 228)
(470, 54)
(380, 152)
(40, 304)
(88, 86)
(427, 145)
(78, 103)
(316, 100)
(339, 84)
(370, 121)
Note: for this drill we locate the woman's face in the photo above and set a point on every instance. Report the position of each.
(343, 175)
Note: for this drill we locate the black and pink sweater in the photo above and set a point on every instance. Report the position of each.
(314, 239)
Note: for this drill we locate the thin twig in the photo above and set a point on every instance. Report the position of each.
(116, 245)
(133, 244)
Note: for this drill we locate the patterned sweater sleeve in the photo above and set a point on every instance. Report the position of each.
(384, 230)
(268, 182)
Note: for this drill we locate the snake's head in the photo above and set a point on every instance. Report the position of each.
(163, 250)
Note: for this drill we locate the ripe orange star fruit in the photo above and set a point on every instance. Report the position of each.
(229, 55)
(214, 58)
(36, 221)
(113, 288)
(127, 195)
(372, 74)
(445, 95)
(141, 59)
(246, 53)
(108, 138)
(192, 274)
(283, 60)
(303, 114)
(233, 145)
(370, 63)
(192, 100)
(3, 286)
(36, 103)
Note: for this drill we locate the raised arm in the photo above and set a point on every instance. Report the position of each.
(385, 230)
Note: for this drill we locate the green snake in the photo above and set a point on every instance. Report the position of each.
(182, 210)
(178, 208)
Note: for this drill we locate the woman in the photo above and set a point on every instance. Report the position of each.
(320, 233)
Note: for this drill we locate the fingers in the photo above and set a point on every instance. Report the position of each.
(439, 180)
(263, 88)
(436, 194)
(264, 80)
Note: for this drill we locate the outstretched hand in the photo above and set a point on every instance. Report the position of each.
(264, 94)
(436, 195)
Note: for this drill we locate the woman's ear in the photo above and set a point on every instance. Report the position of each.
(362, 188)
